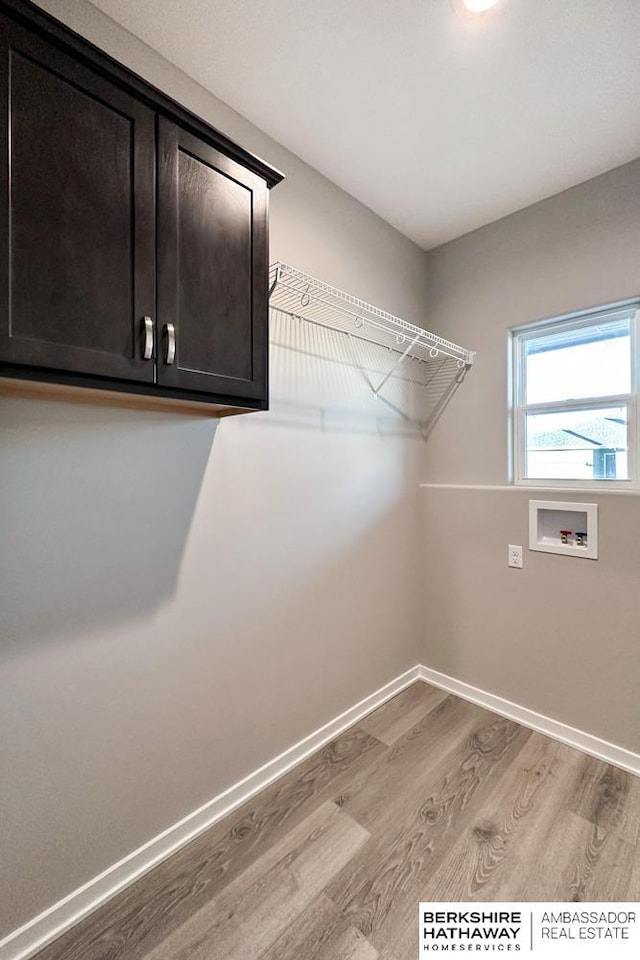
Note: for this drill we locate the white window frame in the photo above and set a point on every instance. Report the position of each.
(518, 409)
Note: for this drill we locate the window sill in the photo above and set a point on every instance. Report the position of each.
(522, 488)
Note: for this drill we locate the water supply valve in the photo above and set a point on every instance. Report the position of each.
(564, 536)
(581, 538)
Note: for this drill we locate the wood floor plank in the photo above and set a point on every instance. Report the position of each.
(587, 854)
(633, 892)
(601, 797)
(143, 914)
(250, 913)
(482, 863)
(321, 932)
(384, 879)
(550, 805)
(629, 829)
(398, 715)
(611, 877)
(448, 811)
(399, 779)
(568, 860)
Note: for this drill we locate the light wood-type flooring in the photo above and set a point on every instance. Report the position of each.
(428, 798)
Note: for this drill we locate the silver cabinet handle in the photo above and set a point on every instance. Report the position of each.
(170, 330)
(147, 329)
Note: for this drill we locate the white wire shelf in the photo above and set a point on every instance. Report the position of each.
(304, 297)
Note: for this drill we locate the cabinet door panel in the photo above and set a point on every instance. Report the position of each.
(78, 271)
(212, 257)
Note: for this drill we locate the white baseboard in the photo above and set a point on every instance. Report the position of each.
(47, 926)
(586, 742)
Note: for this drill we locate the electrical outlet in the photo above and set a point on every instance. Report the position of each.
(514, 556)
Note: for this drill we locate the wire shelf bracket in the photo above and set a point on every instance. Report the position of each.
(303, 297)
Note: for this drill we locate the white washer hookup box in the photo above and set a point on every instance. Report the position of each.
(558, 526)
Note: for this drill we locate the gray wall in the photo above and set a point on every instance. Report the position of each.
(181, 600)
(561, 635)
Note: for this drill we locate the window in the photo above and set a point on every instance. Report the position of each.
(574, 400)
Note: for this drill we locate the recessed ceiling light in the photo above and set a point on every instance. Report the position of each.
(479, 6)
(476, 9)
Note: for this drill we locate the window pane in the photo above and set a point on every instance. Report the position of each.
(577, 445)
(593, 361)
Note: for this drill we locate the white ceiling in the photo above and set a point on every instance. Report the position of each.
(438, 124)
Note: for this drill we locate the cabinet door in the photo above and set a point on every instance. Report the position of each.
(77, 238)
(212, 269)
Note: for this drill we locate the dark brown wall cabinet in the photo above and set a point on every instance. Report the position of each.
(133, 243)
